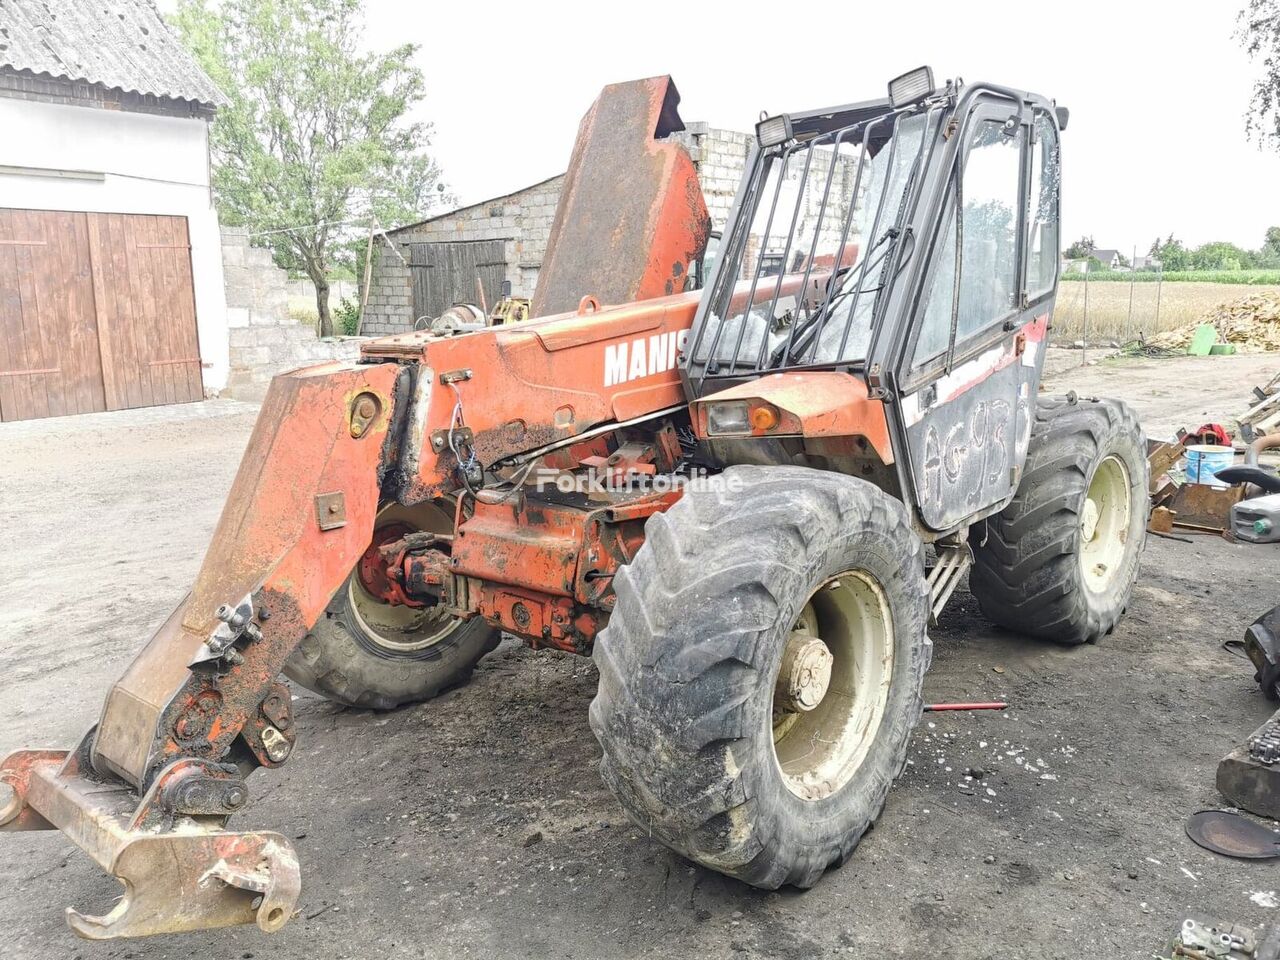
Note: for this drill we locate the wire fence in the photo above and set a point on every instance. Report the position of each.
(1117, 312)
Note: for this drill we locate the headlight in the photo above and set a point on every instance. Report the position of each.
(772, 131)
(911, 86)
(727, 418)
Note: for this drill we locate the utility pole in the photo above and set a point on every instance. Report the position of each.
(368, 270)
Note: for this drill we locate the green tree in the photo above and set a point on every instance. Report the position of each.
(1220, 256)
(1172, 254)
(1259, 31)
(1269, 255)
(1081, 249)
(317, 133)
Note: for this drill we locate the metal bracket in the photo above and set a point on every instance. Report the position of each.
(462, 436)
(236, 624)
(331, 510)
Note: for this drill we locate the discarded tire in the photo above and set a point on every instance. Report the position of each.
(732, 587)
(1061, 559)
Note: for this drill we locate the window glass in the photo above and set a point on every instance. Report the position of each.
(1042, 212)
(816, 211)
(989, 258)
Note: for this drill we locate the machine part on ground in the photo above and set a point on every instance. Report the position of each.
(866, 374)
(1233, 835)
(697, 745)
(1203, 939)
(459, 318)
(510, 310)
(377, 649)
(1060, 560)
(1249, 776)
(1262, 647)
(945, 707)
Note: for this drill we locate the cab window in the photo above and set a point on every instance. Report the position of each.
(987, 210)
(1042, 208)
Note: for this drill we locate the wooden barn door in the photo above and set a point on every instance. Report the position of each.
(446, 273)
(97, 312)
(146, 309)
(49, 360)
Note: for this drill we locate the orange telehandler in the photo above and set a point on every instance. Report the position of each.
(747, 503)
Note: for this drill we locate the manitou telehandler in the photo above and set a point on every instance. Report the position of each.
(746, 503)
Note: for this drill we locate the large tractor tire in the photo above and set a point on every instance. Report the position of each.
(1060, 561)
(761, 672)
(366, 652)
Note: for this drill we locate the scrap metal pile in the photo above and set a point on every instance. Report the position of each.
(1197, 486)
(1251, 323)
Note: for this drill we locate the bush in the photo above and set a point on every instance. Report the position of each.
(347, 317)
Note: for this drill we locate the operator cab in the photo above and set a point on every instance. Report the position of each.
(896, 241)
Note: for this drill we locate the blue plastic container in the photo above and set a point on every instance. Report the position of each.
(1204, 460)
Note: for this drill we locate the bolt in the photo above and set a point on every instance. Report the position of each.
(264, 614)
(234, 798)
(365, 408)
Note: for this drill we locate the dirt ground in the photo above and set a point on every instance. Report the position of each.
(477, 825)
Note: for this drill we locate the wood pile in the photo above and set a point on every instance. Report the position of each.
(1252, 323)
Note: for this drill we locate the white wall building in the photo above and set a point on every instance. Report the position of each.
(106, 120)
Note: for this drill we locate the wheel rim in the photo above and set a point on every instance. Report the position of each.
(1104, 524)
(819, 749)
(397, 629)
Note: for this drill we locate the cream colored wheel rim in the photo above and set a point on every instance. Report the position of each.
(394, 627)
(819, 749)
(1104, 524)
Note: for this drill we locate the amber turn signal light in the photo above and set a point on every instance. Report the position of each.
(764, 418)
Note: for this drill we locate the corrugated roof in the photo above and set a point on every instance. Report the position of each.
(121, 44)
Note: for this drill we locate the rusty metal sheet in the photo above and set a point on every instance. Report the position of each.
(631, 216)
(1199, 506)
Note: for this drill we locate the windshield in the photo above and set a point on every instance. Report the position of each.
(808, 251)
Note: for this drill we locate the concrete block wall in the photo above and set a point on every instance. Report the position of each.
(263, 339)
(389, 308)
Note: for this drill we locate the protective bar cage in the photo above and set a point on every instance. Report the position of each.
(814, 240)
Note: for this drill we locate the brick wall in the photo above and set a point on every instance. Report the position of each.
(523, 220)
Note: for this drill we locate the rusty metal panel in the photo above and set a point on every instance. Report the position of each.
(631, 216)
(268, 544)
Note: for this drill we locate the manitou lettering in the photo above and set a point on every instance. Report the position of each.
(643, 357)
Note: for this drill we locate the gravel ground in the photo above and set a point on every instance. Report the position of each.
(477, 825)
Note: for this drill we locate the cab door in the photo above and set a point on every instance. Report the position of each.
(972, 358)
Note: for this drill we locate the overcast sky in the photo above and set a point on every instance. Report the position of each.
(1157, 91)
